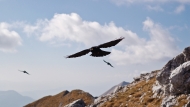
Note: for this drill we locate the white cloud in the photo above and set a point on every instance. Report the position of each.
(155, 8)
(180, 9)
(161, 46)
(148, 4)
(71, 27)
(9, 39)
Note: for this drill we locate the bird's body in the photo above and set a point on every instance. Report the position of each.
(96, 51)
(24, 72)
(108, 63)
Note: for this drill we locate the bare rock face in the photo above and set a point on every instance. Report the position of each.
(179, 84)
(163, 76)
(77, 103)
(180, 80)
(174, 79)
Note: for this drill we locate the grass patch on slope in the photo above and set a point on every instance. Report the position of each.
(138, 95)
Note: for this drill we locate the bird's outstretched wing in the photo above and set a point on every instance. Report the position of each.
(27, 73)
(20, 70)
(111, 65)
(111, 43)
(101, 53)
(84, 52)
(104, 61)
(108, 63)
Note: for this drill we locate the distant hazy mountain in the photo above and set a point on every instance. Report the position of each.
(114, 88)
(13, 99)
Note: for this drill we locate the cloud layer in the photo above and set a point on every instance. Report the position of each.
(133, 49)
(179, 9)
(9, 39)
(71, 27)
(150, 4)
(155, 8)
(160, 46)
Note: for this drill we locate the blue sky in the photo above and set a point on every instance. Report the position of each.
(36, 35)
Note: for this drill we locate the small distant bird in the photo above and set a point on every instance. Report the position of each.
(24, 72)
(108, 63)
(96, 51)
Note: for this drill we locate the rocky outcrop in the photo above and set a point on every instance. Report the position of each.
(174, 79)
(179, 84)
(163, 76)
(180, 80)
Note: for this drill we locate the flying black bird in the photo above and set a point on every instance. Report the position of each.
(108, 63)
(24, 72)
(96, 51)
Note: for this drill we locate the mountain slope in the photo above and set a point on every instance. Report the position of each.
(168, 87)
(62, 99)
(137, 94)
(13, 99)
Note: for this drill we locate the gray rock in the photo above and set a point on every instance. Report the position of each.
(145, 76)
(168, 101)
(174, 79)
(163, 76)
(180, 80)
(76, 103)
